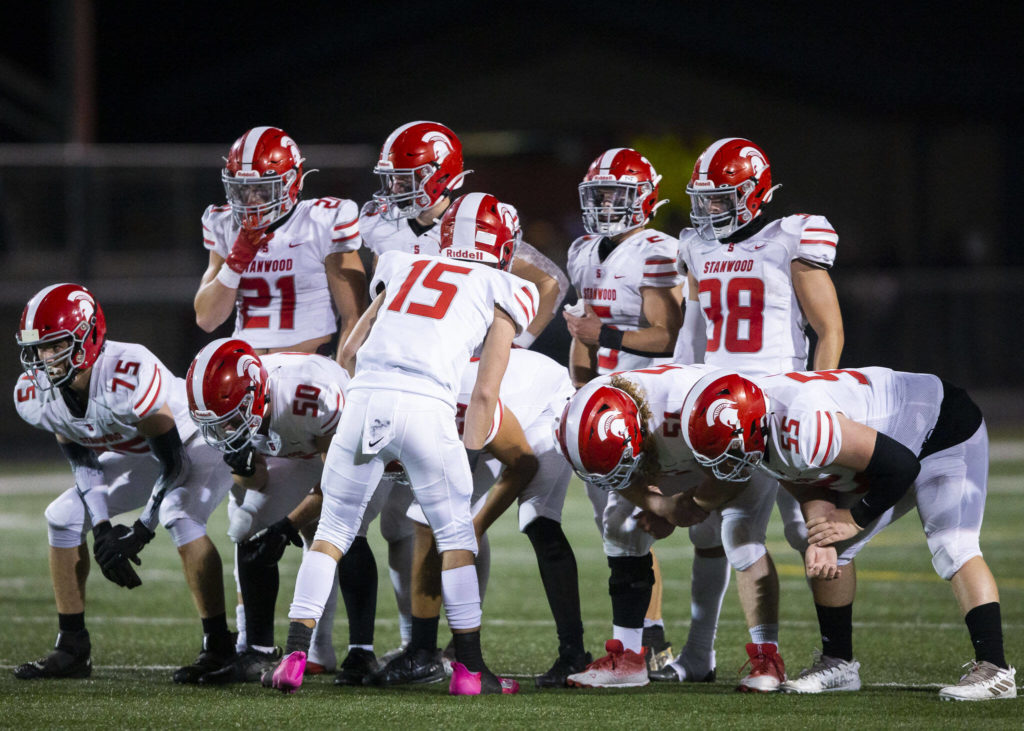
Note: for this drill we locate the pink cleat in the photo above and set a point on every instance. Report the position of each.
(466, 683)
(287, 675)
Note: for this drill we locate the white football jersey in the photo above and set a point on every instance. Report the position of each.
(306, 399)
(805, 436)
(433, 319)
(665, 388)
(381, 235)
(534, 387)
(611, 287)
(128, 383)
(752, 316)
(283, 298)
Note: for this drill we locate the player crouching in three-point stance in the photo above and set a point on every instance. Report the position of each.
(428, 317)
(120, 418)
(913, 440)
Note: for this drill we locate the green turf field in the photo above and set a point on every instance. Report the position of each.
(909, 637)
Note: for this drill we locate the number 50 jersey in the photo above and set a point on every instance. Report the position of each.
(433, 320)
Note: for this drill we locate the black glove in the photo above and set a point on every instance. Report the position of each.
(119, 570)
(242, 462)
(121, 542)
(268, 545)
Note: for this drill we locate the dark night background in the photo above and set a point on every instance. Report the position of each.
(900, 122)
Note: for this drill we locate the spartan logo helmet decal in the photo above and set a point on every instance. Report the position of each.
(611, 424)
(442, 145)
(757, 160)
(725, 412)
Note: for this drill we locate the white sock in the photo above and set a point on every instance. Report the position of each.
(321, 645)
(240, 643)
(653, 623)
(461, 594)
(400, 570)
(632, 638)
(765, 634)
(368, 648)
(708, 583)
(313, 585)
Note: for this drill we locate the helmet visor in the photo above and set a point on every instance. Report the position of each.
(401, 192)
(231, 432)
(607, 207)
(51, 356)
(255, 202)
(734, 464)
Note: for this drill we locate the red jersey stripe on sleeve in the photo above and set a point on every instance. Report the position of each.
(335, 417)
(148, 400)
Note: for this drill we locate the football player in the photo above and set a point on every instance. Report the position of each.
(120, 418)
(428, 316)
(288, 268)
(420, 168)
(521, 463)
(754, 284)
(627, 317)
(273, 418)
(859, 449)
(621, 433)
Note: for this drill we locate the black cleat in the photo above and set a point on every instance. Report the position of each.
(412, 666)
(217, 652)
(677, 672)
(70, 658)
(245, 668)
(657, 650)
(357, 666)
(564, 666)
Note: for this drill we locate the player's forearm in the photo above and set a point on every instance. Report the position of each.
(654, 340)
(513, 480)
(828, 349)
(168, 449)
(582, 363)
(308, 510)
(213, 304)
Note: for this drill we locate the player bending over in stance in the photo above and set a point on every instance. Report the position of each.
(914, 440)
(429, 315)
(121, 419)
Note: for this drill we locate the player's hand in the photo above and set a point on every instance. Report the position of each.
(821, 563)
(834, 526)
(269, 544)
(115, 567)
(586, 329)
(245, 248)
(685, 511)
(242, 462)
(654, 524)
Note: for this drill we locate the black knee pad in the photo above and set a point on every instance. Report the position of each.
(548, 539)
(630, 574)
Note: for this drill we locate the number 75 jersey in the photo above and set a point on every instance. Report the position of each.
(751, 312)
(434, 318)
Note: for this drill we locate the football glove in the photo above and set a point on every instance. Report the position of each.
(119, 570)
(269, 544)
(121, 542)
(245, 248)
(242, 462)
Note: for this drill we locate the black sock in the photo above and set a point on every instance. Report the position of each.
(468, 652)
(836, 625)
(258, 584)
(71, 622)
(299, 637)
(985, 624)
(216, 626)
(630, 588)
(423, 635)
(357, 579)
(558, 573)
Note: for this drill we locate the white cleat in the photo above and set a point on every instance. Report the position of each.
(826, 674)
(983, 682)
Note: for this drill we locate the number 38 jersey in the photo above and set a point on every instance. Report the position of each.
(283, 298)
(434, 317)
(751, 312)
(612, 287)
(805, 434)
(306, 399)
(128, 384)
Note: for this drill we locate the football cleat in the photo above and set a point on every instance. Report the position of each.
(247, 667)
(483, 683)
(826, 674)
(358, 665)
(684, 670)
(564, 666)
(217, 652)
(767, 671)
(448, 657)
(983, 682)
(657, 650)
(321, 659)
(411, 666)
(287, 676)
(71, 658)
(620, 668)
(392, 654)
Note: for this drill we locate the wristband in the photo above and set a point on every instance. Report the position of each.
(228, 277)
(610, 338)
(524, 339)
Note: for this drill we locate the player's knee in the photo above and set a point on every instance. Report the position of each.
(65, 520)
(796, 534)
(630, 574)
(184, 530)
(456, 536)
(743, 556)
(948, 559)
(548, 539)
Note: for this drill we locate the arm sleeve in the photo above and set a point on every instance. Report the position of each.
(85, 465)
(168, 449)
(890, 473)
(531, 256)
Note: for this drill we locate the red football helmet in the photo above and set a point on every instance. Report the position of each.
(602, 436)
(61, 312)
(420, 163)
(479, 227)
(731, 181)
(227, 393)
(726, 425)
(263, 176)
(619, 192)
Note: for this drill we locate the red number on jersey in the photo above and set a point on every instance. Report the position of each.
(263, 299)
(792, 429)
(306, 400)
(460, 418)
(26, 394)
(432, 280)
(328, 202)
(744, 303)
(127, 368)
(670, 427)
(829, 376)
